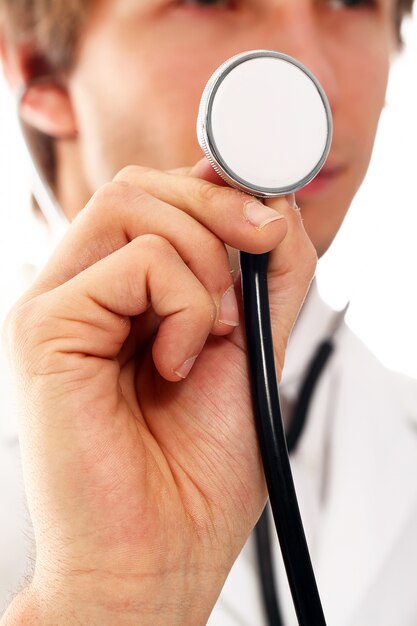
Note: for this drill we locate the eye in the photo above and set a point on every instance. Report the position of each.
(208, 4)
(352, 4)
(221, 4)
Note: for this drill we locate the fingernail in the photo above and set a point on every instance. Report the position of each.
(260, 215)
(228, 310)
(185, 368)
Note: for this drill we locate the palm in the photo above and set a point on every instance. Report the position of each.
(204, 429)
(174, 456)
(191, 442)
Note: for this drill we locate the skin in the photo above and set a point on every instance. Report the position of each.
(142, 486)
(141, 489)
(137, 43)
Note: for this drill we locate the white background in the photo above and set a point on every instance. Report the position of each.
(373, 262)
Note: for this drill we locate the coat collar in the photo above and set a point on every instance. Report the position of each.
(361, 443)
(371, 494)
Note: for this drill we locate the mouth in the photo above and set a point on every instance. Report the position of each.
(321, 183)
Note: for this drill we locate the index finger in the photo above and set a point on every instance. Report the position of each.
(236, 218)
(202, 169)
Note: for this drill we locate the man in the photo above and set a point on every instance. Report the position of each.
(142, 492)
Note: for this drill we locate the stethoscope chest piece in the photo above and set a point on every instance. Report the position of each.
(264, 123)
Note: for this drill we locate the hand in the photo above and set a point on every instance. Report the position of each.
(142, 486)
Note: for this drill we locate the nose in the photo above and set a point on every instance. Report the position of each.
(293, 27)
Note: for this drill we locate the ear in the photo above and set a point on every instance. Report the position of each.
(44, 102)
(46, 106)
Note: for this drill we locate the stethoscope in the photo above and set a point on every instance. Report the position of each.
(265, 125)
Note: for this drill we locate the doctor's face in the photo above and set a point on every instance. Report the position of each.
(143, 65)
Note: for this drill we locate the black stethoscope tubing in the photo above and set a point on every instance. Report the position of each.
(298, 421)
(272, 441)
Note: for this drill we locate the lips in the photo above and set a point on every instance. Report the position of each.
(323, 180)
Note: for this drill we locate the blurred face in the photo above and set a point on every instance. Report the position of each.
(144, 63)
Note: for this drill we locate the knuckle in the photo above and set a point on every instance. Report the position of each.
(115, 195)
(32, 343)
(209, 193)
(22, 326)
(153, 243)
(127, 173)
(17, 318)
(105, 197)
(131, 174)
(231, 199)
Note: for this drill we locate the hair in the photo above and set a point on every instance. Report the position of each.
(51, 30)
(52, 27)
(403, 8)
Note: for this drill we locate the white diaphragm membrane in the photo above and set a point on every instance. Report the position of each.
(265, 123)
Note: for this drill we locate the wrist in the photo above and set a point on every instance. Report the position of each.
(31, 609)
(105, 601)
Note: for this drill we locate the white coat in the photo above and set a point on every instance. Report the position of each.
(355, 471)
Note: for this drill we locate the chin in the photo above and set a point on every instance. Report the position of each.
(321, 225)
